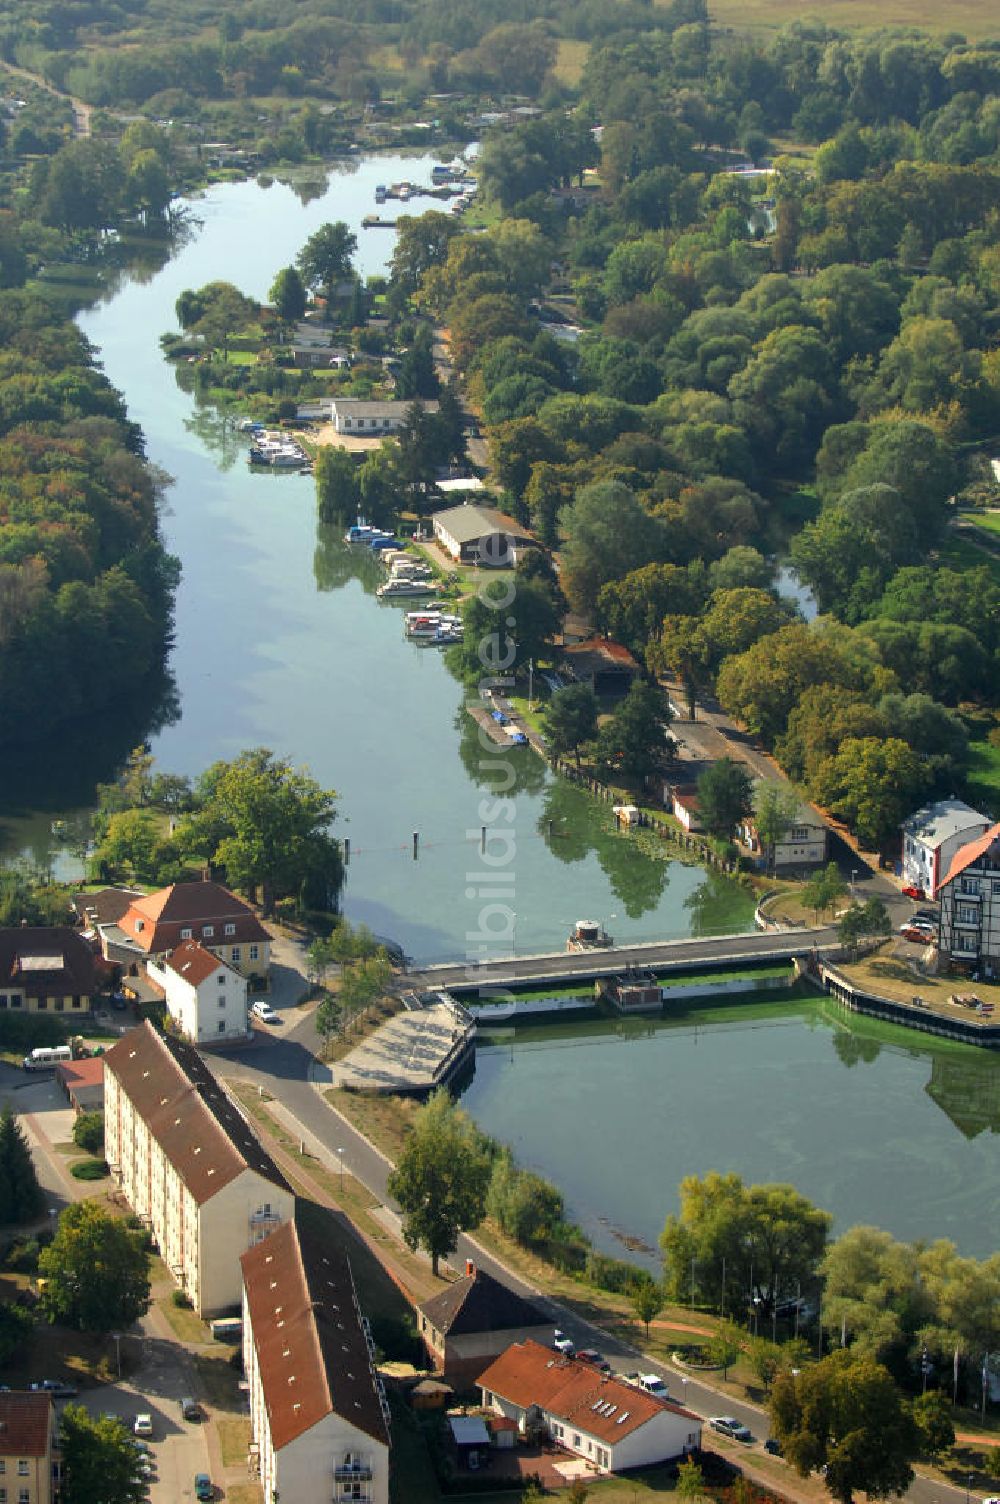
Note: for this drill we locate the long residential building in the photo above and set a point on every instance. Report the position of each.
(189, 1164)
(318, 1414)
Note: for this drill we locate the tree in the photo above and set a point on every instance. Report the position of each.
(288, 295)
(607, 534)
(338, 488)
(932, 1417)
(726, 1226)
(96, 1271)
(267, 824)
(88, 1132)
(634, 740)
(862, 920)
(502, 640)
(775, 811)
(128, 846)
(873, 784)
(632, 609)
(216, 311)
(682, 649)
(20, 1194)
(874, 1293)
(647, 1300)
(441, 1178)
(98, 1460)
(325, 259)
(725, 796)
(765, 1360)
(823, 889)
(846, 1414)
(724, 1346)
(570, 719)
(690, 1480)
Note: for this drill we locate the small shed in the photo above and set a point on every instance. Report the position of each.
(633, 992)
(503, 1429)
(608, 667)
(470, 1438)
(83, 1083)
(431, 1394)
(626, 814)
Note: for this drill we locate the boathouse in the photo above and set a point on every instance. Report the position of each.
(480, 535)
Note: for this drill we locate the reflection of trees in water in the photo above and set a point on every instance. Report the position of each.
(574, 825)
(966, 1086)
(503, 771)
(336, 563)
(87, 752)
(139, 256)
(214, 429)
(855, 1049)
(712, 904)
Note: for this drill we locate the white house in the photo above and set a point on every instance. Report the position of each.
(318, 1413)
(970, 905)
(206, 998)
(189, 1164)
(610, 1423)
(804, 843)
(474, 534)
(371, 419)
(933, 836)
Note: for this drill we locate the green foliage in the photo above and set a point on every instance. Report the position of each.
(325, 259)
(724, 1346)
(634, 740)
(88, 1169)
(823, 889)
(570, 719)
(98, 1459)
(690, 1480)
(182, 1300)
(288, 295)
(528, 1208)
(338, 484)
(932, 1416)
(441, 1178)
(862, 920)
(725, 796)
(20, 1194)
(648, 1299)
(15, 1329)
(846, 1414)
(97, 1277)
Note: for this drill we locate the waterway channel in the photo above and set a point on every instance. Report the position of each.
(281, 643)
(872, 1123)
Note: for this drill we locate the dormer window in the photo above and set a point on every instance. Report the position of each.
(186, 934)
(230, 929)
(208, 930)
(139, 926)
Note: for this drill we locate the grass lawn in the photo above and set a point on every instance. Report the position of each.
(962, 553)
(219, 1382)
(243, 1493)
(234, 1438)
(186, 1325)
(570, 60)
(988, 521)
(983, 786)
(970, 17)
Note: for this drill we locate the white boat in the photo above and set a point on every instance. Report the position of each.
(424, 624)
(395, 588)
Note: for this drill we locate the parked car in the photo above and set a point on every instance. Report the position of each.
(773, 1445)
(190, 1409)
(654, 1385)
(912, 891)
(143, 1425)
(262, 1010)
(917, 934)
(204, 1488)
(58, 1388)
(590, 1355)
(728, 1425)
(563, 1344)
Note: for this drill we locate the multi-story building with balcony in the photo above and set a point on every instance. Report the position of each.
(189, 1164)
(970, 906)
(318, 1413)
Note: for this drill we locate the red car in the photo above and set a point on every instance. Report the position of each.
(913, 892)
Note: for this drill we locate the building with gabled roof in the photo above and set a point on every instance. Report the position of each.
(612, 1424)
(46, 968)
(188, 1163)
(608, 667)
(969, 933)
(205, 997)
(932, 838)
(156, 923)
(318, 1412)
(28, 1457)
(474, 1320)
(474, 534)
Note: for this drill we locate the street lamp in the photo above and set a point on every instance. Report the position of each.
(340, 1156)
(684, 1391)
(756, 1309)
(854, 878)
(117, 1338)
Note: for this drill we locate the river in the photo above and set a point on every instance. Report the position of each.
(872, 1123)
(281, 643)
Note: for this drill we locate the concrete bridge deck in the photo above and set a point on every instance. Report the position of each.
(562, 967)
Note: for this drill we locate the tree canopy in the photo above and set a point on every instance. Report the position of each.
(441, 1178)
(96, 1271)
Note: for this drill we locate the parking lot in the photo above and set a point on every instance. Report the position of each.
(179, 1449)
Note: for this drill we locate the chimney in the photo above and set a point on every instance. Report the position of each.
(470, 1268)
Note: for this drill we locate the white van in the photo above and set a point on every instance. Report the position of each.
(47, 1056)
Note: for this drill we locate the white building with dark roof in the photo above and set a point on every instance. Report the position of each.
(371, 419)
(189, 1164)
(933, 836)
(318, 1413)
(205, 997)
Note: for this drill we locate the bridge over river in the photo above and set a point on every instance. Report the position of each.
(663, 957)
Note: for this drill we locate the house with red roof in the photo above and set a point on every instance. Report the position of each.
(473, 1320)
(28, 1458)
(189, 1164)
(608, 667)
(155, 923)
(969, 892)
(612, 1424)
(318, 1413)
(205, 997)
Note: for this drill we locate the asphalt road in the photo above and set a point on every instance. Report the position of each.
(284, 1066)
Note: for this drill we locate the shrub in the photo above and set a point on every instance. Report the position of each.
(88, 1132)
(22, 1257)
(89, 1169)
(182, 1300)
(610, 1274)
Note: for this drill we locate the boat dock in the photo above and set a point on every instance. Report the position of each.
(426, 1046)
(376, 222)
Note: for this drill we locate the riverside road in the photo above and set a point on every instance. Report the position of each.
(286, 1067)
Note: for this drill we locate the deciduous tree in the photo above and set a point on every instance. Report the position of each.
(570, 719)
(725, 796)
(441, 1178)
(96, 1271)
(325, 259)
(98, 1460)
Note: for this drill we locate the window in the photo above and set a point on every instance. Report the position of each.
(3, 1496)
(576, 1438)
(186, 933)
(3, 999)
(22, 1467)
(60, 1004)
(24, 1496)
(254, 952)
(208, 930)
(15, 1001)
(970, 885)
(222, 979)
(222, 1002)
(967, 913)
(222, 1026)
(43, 1004)
(236, 953)
(996, 888)
(230, 929)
